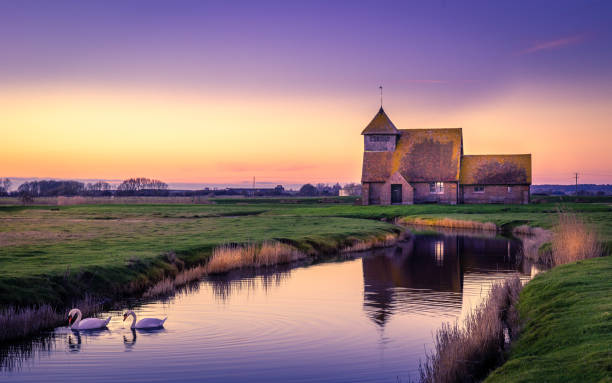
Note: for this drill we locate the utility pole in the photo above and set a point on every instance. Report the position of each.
(253, 186)
(576, 175)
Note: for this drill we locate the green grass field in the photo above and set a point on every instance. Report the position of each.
(568, 331)
(50, 253)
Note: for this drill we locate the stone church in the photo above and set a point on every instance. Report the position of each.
(406, 166)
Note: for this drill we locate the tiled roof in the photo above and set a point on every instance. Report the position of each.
(380, 124)
(421, 155)
(496, 169)
(376, 166)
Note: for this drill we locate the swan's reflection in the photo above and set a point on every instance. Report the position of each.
(129, 341)
(129, 344)
(75, 344)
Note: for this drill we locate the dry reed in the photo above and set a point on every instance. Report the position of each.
(573, 239)
(387, 240)
(227, 257)
(467, 353)
(17, 322)
(449, 222)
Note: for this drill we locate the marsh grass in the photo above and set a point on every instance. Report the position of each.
(228, 257)
(566, 333)
(17, 322)
(449, 222)
(573, 240)
(467, 352)
(386, 240)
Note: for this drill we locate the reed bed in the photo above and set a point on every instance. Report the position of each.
(449, 222)
(573, 239)
(17, 322)
(371, 243)
(468, 353)
(228, 257)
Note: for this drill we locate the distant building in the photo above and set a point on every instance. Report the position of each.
(258, 192)
(406, 166)
(351, 190)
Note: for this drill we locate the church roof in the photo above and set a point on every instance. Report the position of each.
(376, 166)
(496, 169)
(421, 155)
(380, 124)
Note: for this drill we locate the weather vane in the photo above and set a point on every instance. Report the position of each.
(380, 87)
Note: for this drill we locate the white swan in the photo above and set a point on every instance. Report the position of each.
(145, 322)
(75, 322)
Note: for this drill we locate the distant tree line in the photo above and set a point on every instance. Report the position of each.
(52, 188)
(142, 186)
(5, 185)
(309, 190)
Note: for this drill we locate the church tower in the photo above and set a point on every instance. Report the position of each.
(380, 135)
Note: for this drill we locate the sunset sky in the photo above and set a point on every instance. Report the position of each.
(218, 92)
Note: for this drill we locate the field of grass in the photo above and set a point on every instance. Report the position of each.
(58, 255)
(51, 253)
(568, 332)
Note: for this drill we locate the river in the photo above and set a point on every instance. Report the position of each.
(367, 317)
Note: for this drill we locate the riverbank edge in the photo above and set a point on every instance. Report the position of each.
(535, 312)
(566, 330)
(174, 270)
(151, 278)
(171, 270)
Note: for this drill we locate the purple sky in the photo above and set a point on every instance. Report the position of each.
(307, 46)
(432, 57)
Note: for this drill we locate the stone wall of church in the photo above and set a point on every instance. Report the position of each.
(371, 193)
(516, 194)
(423, 194)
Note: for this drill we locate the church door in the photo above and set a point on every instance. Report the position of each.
(396, 193)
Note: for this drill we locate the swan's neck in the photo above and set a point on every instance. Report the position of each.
(78, 319)
(133, 315)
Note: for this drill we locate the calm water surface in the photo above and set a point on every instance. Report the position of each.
(364, 319)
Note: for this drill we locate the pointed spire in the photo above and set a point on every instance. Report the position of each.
(380, 124)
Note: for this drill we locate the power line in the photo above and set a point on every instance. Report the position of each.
(576, 174)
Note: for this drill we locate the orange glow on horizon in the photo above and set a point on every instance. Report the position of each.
(97, 132)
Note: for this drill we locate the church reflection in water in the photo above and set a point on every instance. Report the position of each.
(425, 274)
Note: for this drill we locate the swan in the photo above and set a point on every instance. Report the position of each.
(145, 322)
(86, 324)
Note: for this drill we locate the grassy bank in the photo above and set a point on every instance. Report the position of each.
(468, 353)
(57, 255)
(51, 256)
(567, 335)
